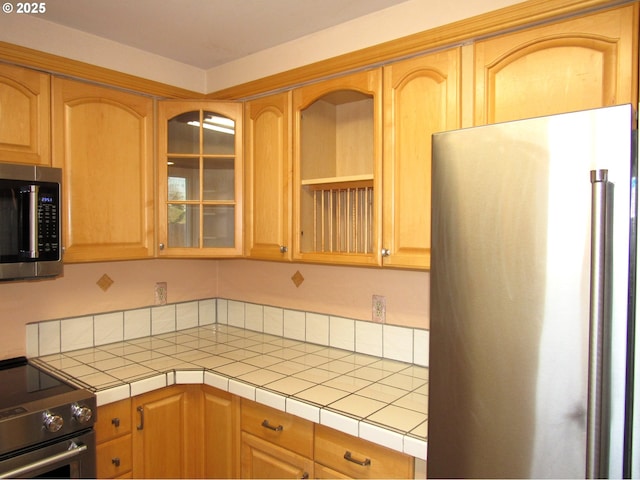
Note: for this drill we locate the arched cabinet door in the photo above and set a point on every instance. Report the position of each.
(562, 67)
(24, 116)
(103, 141)
(268, 177)
(200, 179)
(421, 97)
(337, 170)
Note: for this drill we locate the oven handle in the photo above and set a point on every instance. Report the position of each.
(76, 450)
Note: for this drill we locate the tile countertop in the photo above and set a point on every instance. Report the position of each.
(381, 400)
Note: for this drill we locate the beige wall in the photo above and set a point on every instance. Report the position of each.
(342, 291)
(76, 293)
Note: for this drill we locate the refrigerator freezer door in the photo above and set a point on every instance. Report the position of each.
(510, 294)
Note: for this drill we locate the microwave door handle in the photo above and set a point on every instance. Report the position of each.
(31, 242)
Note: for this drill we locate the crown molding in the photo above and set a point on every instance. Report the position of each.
(55, 64)
(511, 18)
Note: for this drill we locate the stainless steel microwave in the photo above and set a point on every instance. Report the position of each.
(30, 222)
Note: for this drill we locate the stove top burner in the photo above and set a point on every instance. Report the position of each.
(37, 407)
(21, 382)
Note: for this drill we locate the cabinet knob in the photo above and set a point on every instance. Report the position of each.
(115, 422)
(116, 461)
(161, 246)
(385, 252)
(283, 249)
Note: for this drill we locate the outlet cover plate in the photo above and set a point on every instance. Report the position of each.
(378, 309)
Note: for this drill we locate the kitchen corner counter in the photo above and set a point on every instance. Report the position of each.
(377, 399)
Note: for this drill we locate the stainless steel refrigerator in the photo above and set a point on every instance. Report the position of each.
(532, 294)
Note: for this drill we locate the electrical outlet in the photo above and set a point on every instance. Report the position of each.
(160, 293)
(378, 309)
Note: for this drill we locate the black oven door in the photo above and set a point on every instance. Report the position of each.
(66, 458)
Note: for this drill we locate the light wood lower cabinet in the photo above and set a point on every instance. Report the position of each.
(113, 440)
(262, 459)
(357, 458)
(221, 434)
(167, 439)
(275, 444)
(197, 431)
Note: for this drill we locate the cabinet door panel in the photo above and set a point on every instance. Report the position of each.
(221, 434)
(261, 459)
(24, 116)
(421, 98)
(167, 440)
(268, 188)
(572, 65)
(200, 174)
(103, 142)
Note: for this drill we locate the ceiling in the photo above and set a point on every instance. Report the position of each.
(206, 33)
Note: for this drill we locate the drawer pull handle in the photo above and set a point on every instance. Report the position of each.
(115, 422)
(266, 424)
(140, 426)
(116, 461)
(364, 463)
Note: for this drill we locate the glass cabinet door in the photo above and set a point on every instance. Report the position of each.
(200, 175)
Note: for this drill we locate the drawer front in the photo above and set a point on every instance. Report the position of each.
(281, 428)
(113, 459)
(364, 459)
(114, 420)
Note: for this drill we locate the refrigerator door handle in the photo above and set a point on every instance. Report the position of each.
(597, 311)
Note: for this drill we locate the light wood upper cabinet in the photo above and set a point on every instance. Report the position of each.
(587, 62)
(200, 175)
(337, 168)
(268, 177)
(103, 140)
(421, 97)
(25, 133)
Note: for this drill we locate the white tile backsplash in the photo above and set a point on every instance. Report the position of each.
(108, 328)
(207, 312)
(254, 317)
(235, 313)
(186, 315)
(369, 338)
(421, 347)
(222, 311)
(395, 341)
(381, 340)
(137, 323)
(49, 337)
(76, 333)
(163, 319)
(317, 328)
(274, 321)
(294, 325)
(342, 333)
